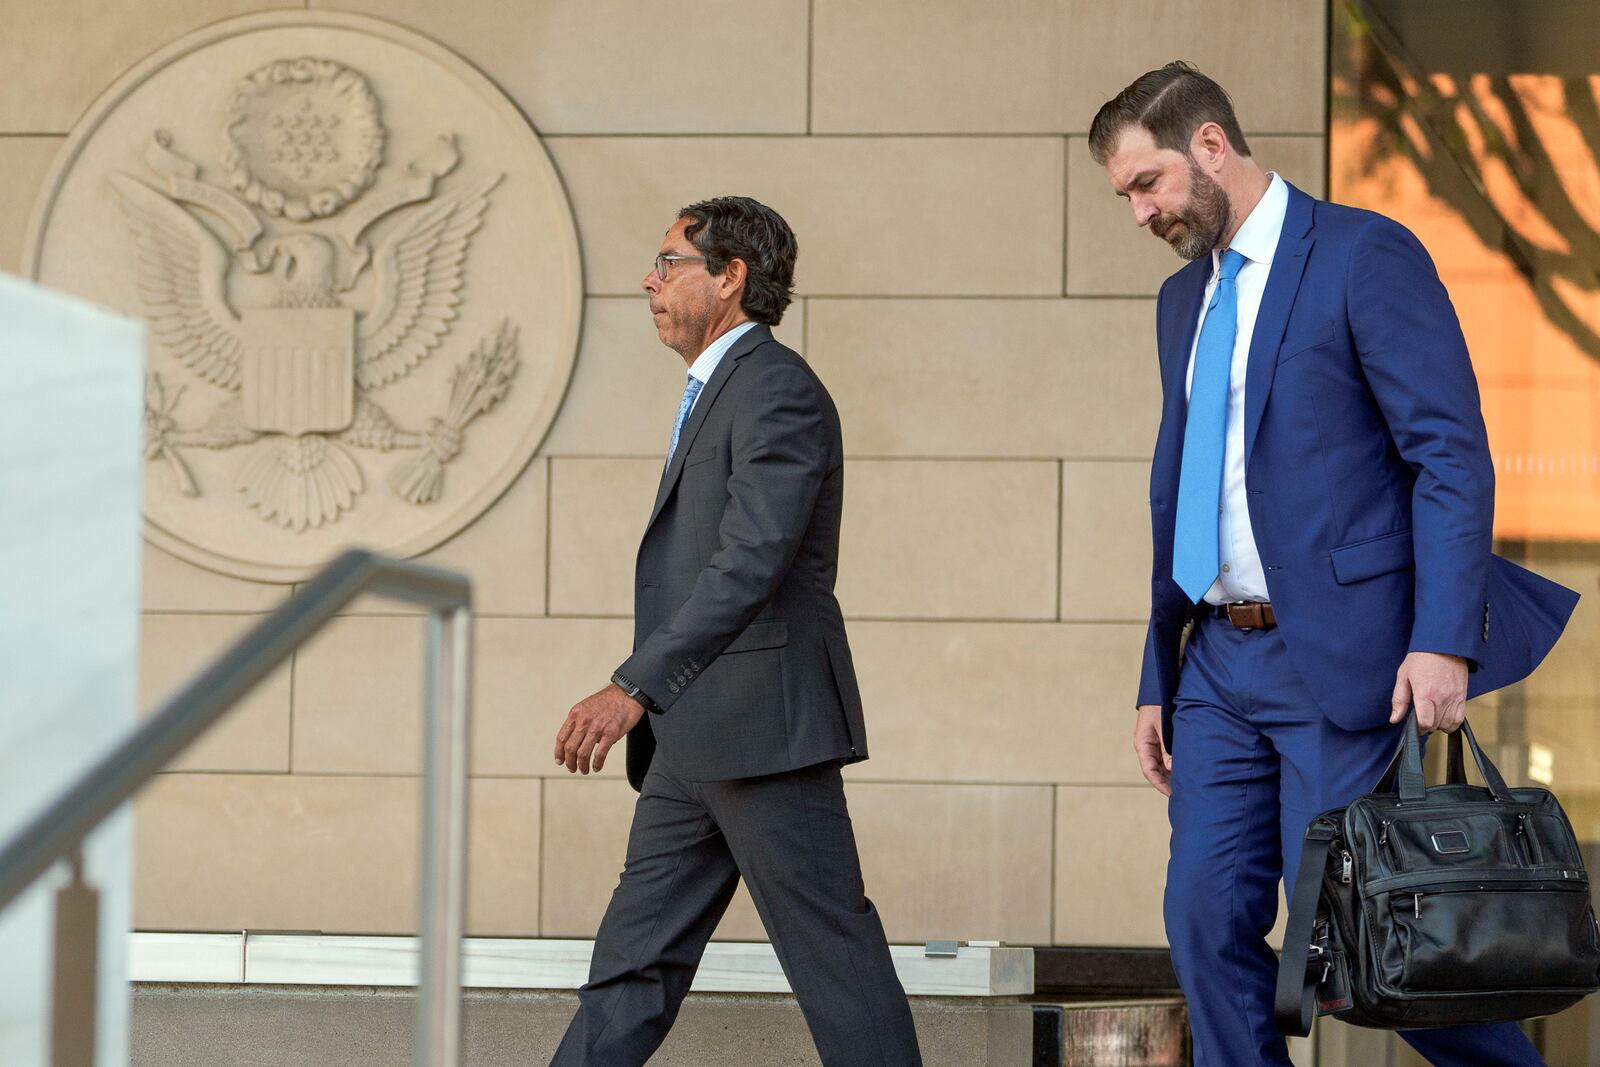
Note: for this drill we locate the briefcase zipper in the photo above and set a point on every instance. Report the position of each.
(1435, 808)
(1525, 840)
(1416, 898)
(1438, 881)
(1388, 849)
(1347, 867)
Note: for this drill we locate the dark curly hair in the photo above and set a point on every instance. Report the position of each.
(1171, 102)
(726, 228)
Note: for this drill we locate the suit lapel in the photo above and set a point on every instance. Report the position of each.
(1188, 292)
(1182, 309)
(1283, 284)
(708, 396)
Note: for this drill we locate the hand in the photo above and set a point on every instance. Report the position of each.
(595, 724)
(1151, 750)
(1437, 685)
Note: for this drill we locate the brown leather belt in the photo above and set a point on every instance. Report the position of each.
(1246, 615)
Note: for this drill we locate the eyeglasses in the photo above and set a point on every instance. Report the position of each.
(664, 263)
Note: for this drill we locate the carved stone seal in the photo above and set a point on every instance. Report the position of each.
(363, 307)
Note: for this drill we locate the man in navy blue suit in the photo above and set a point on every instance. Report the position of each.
(1322, 500)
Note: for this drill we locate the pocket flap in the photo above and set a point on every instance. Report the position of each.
(703, 455)
(763, 633)
(1368, 559)
(1320, 333)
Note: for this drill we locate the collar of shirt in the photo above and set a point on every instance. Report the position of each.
(705, 365)
(1257, 239)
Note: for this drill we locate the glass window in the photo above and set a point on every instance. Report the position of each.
(1476, 123)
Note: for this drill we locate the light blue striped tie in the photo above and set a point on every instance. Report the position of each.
(690, 391)
(1195, 540)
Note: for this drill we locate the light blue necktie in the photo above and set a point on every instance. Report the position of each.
(690, 391)
(1194, 544)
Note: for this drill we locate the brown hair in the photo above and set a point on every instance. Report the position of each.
(1171, 103)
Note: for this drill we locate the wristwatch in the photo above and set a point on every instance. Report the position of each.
(635, 692)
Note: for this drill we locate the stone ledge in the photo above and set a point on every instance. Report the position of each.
(204, 1026)
(531, 963)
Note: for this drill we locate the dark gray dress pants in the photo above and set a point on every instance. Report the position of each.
(789, 836)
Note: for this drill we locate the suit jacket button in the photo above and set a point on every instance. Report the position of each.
(672, 687)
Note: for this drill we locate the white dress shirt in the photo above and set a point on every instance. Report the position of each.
(1240, 574)
(705, 364)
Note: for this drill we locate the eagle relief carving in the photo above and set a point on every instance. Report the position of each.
(292, 375)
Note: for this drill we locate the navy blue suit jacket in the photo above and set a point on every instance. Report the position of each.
(1367, 470)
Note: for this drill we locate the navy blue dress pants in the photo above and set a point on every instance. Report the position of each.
(1253, 761)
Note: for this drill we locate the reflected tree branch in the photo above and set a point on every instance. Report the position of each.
(1389, 87)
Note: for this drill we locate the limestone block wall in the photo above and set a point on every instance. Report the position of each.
(981, 307)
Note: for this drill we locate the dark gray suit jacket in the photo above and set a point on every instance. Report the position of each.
(738, 638)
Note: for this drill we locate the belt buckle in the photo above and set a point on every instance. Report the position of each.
(1254, 616)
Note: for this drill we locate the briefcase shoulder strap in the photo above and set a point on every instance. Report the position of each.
(1298, 974)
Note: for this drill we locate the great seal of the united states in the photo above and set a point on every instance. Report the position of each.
(361, 276)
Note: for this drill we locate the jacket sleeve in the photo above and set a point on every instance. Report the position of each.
(1415, 360)
(780, 456)
(1158, 676)
(1169, 607)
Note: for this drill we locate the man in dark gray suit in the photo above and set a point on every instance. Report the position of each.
(739, 702)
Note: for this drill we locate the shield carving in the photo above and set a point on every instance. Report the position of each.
(297, 369)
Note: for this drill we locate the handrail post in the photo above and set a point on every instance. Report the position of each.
(447, 714)
(60, 830)
(77, 959)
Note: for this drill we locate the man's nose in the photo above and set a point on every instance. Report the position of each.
(651, 283)
(1144, 211)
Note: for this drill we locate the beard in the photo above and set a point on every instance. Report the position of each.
(1204, 217)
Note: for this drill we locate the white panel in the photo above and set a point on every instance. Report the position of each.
(505, 963)
(213, 958)
(71, 389)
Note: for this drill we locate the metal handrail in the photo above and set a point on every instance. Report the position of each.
(59, 831)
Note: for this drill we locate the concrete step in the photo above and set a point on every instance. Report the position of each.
(187, 1025)
(1112, 1033)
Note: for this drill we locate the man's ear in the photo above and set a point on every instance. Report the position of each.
(1209, 146)
(732, 278)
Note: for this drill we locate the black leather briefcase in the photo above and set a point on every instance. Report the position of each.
(1423, 906)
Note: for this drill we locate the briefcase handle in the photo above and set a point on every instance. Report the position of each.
(1405, 774)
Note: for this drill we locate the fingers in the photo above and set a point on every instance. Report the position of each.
(1427, 714)
(1147, 765)
(564, 733)
(1150, 748)
(1401, 700)
(1155, 765)
(1436, 685)
(600, 751)
(1156, 772)
(584, 740)
(570, 740)
(586, 749)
